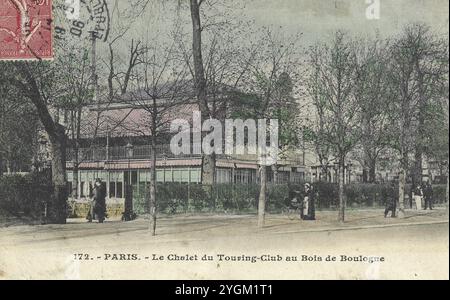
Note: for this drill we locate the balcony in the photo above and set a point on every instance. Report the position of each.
(122, 153)
(143, 152)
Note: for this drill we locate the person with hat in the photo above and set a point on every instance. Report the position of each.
(308, 211)
(99, 201)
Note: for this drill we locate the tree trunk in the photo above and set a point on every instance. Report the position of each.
(447, 189)
(152, 200)
(262, 197)
(275, 174)
(56, 208)
(341, 178)
(76, 161)
(8, 166)
(373, 171)
(208, 161)
(365, 175)
(417, 173)
(420, 138)
(208, 169)
(75, 181)
(401, 193)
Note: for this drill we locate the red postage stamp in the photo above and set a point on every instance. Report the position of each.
(26, 29)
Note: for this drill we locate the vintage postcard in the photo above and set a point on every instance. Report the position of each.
(222, 140)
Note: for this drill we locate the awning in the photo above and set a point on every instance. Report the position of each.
(235, 165)
(124, 165)
(87, 165)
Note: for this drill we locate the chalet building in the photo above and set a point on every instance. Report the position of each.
(115, 147)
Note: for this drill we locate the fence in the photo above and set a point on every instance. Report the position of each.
(243, 198)
(25, 197)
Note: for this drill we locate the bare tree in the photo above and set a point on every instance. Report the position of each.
(77, 79)
(160, 86)
(268, 90)
(417, 70)
(371, 96)
(429, 57)
(333, 74)
(209, 160)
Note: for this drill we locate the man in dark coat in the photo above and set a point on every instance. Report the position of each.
(91, 215)
(99, 201)
(391, 201)
(428, 195)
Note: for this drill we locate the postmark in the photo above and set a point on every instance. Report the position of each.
(26, 30)
(83, 20)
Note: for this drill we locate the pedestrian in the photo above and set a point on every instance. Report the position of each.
(308, 211)
(418, 193)
(99, 200)
(411, 196)
(391, 201)
(91, 216)
(428, 195)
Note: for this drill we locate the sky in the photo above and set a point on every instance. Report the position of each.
(316, 19)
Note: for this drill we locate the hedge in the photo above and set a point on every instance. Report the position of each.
(241, 198)
(24, 196)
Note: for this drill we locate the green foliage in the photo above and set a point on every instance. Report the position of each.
(24, 196)
(175, 198)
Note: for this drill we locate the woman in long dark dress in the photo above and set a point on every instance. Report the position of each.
(308, 209)
(100, 201)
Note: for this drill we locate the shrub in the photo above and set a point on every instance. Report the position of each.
(24, 196)
(440, 193)
(326, 195)
(180, 198)
(277, 195)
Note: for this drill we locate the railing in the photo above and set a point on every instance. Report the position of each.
(122, 153)
(145, 152)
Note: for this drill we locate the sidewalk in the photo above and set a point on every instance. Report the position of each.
(357, 219)
(226, 231)
(207, 225)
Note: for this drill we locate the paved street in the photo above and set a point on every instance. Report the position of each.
(415, 247)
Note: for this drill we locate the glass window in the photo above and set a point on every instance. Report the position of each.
(195, 175)
(112, 189)
(134, 177)
(144, 176)
(69, 186)
(159, 176)
(185, 176)
(82, 185)
(119, 191)
(169, 175)
(177, 176)
(82, 176)
(102, 175)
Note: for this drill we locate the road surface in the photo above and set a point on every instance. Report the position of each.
(226, 247)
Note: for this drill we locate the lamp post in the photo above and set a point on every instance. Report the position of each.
(128, 213)
(129, 154)
(164, 156)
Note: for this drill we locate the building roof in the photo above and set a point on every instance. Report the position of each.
(128, 121)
